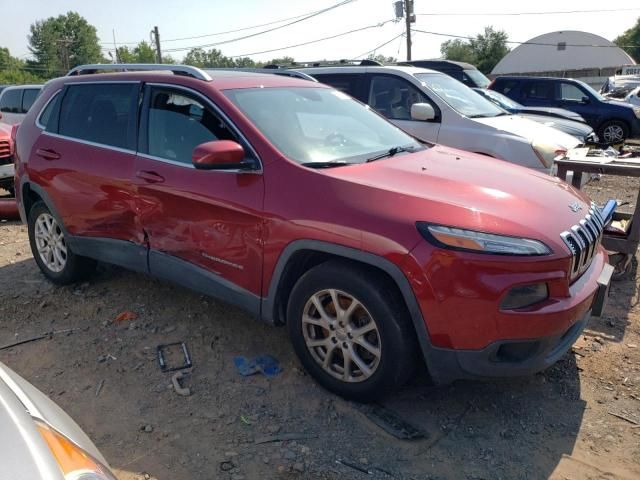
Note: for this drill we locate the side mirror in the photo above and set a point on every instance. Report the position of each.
(422, 112)
(220, 155)
(585, 100)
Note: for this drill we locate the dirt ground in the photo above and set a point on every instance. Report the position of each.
(558, 424)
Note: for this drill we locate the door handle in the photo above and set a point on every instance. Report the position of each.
(47, 154)
(149, 177)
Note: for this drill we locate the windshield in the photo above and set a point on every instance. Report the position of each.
(502, 100)
(311, 124)
(478, 78)
(458, 96)
(591, 91)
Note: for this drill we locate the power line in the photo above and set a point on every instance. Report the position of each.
(313, 41)
(262, 32)
(379, 46)
(515, 14)
(451, 35)
(228, 31)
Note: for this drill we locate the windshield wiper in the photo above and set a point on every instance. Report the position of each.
(330, 164)
(390, 153)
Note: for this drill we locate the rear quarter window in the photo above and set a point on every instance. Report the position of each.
(100, 113)
(11, 101)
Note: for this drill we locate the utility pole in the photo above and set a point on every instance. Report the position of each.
(155, 35)
(409, 18)
(115, 47)
(65, 43)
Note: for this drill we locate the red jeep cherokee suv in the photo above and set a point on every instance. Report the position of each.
(303, 206)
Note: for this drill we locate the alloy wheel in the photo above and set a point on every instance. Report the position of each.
(50, 242)
(613, 134)
(341, 335)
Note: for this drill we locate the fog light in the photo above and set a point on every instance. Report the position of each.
(524, 296)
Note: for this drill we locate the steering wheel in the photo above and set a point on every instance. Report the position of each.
(335, 139)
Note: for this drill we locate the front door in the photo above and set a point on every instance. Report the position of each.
(202, 226)
(571, 97)
(393, 96)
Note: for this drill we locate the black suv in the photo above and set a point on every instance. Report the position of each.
(613, 121)
(464, 72)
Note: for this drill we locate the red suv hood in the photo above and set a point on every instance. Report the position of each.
(454, 187)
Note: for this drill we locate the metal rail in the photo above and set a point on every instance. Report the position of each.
(187, 70)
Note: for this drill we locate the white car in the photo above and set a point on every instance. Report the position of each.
(437, 108)
(633, 97)
(16, 101)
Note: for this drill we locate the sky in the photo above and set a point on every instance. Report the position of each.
(132, 20)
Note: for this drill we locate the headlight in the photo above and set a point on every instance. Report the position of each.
(547, 153)
(636, 110)
(480, 242)
(74, 462)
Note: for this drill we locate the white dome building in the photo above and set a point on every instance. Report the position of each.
(565, 54)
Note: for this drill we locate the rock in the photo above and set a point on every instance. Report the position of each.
(364, 461)
(273, 428)
(632, 345)
(147, 429)
(230, 454)
(265, 459)
(281, 469)
(169, 329)
(289, 455)
(298, 467)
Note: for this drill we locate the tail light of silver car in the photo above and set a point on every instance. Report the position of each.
(583, 240)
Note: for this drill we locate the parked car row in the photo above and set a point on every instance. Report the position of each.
(307, 208)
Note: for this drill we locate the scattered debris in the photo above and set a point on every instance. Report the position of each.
(354, 466)
(226, 466)
(38, 337)
(180, 390)
(391, 423)
(265, 364)
(126, 316)
(147, 428)
(244, 420)
(284, 437)
(99, 387)
(164, 349)
(624, 417)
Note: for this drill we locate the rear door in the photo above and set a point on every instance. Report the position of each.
(392, 96)
(537, 93)
(204, 227)
(349, 83)
(85, 157)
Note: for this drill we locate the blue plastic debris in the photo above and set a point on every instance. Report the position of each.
(266, 364)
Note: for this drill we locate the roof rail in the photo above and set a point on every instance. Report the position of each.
(186, 70)
(326, 63)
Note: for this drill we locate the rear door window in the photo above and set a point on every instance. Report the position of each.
(30, 95)
(103, 113)
(178, 122)
(11, 101)
(393, 97)
(346, 83)
(538, 90)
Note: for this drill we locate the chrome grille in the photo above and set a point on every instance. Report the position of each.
(583, 240)
(5, 149)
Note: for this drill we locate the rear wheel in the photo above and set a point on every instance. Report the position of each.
(51, 251)
(613, 131)
(351, 331)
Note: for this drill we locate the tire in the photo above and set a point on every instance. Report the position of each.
(379, 311)
(55, 258)
(613, 131)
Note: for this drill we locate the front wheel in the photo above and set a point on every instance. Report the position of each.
(613, 131)
(350, 329)
(51, 251)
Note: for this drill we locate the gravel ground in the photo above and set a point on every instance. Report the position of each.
(557, 424)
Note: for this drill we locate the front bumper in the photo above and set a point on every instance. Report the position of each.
(520, 357)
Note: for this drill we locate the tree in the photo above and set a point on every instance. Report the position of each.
(208, 59)
(141, 53)
(15, 71)
(63, 42)
(382, 59)
(484, 50)
(629, 41)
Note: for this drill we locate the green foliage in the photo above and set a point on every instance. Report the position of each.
(141, 53)
(629, 41)
(14, 71)
(63, 42)
(484, 51)
(208, 59)
(382, 59)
